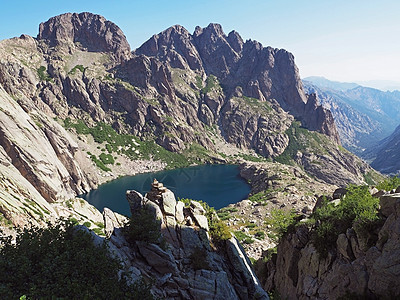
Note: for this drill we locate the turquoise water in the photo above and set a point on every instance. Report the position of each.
(218, 185)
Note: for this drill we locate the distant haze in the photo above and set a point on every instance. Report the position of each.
(383, 85)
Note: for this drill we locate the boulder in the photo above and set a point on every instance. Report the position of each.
(344, 247)
(179, 212)
(201, 221)
(390, 204)
(339, 193)
(110, 222)
(168, 203)
(135, 200)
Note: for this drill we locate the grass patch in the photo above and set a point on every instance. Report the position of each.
(256, 103)
(99, 163)
(107, 159)
(77, 67)
(389, 184)
(211, 84)
(281, 222)
(199, 82)
(301, 139)
(133, 147)
(42, 73)
(252, 157)
(243, 238)
(260, 197)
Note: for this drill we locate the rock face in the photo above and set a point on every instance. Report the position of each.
(246, 68)
(93, 32)
(225, 274)
(354, 269)
(388, 154)
(39, 161)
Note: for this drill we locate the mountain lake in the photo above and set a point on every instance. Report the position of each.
(218, 185)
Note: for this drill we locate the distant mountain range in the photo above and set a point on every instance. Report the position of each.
(387, 154)
(322, 82)
(366, 117)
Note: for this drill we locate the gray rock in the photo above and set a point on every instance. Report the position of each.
(389, 204)
(168, 203)
(242, 266)
(92, 31)
(155, 209)
(179, 212)
(135, 200)
(223, 288)
(344, 247)
(201, 221)
(110, 222)
(197, 208)
(162, 261)
(189, 239)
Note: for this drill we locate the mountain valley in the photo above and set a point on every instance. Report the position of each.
(79, 107)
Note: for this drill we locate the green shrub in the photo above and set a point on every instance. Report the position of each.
(74, 221)
(243, 238)
(389, 184)
(356, 209)
(260, 197)
(77, 67)
(42, 73)
(143, 226)
(61, 262)
(281, 221)
(219, 231)
(106, 159)
(99, 224)
(211, 83)
(87, 224)
(260, 235)
(99, 163)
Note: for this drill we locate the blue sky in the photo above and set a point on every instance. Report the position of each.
(348, 40)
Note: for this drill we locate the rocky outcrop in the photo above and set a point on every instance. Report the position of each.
(225, 272)
(354, 269)
(41, 151)
(92, 32)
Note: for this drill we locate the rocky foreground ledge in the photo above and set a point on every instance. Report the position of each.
(354, 269)
(227, 273)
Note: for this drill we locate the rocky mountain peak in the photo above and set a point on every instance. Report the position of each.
(263, 73)
(92, 31)
(235, 40)
(212, 29)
